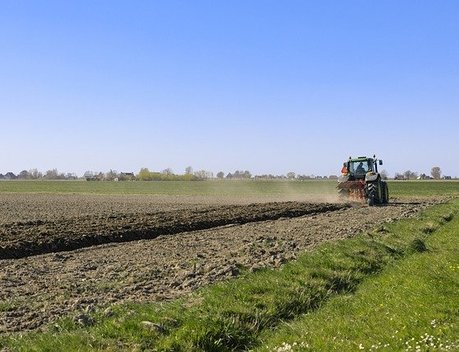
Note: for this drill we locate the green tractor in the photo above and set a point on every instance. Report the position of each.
(361, 181)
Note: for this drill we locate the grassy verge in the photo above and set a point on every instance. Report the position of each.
(241, 314)
(411, 306)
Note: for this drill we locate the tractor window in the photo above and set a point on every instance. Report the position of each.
(358, 167)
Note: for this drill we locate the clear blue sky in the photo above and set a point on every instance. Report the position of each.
(268, 86)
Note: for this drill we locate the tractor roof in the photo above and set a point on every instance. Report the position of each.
(360, 158)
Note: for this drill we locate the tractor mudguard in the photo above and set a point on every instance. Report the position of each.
(371, 177)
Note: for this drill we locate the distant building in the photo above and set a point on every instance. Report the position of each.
(424, 177)
(127, 176)
(10, 176)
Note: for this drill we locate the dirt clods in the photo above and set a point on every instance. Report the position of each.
(109, 264)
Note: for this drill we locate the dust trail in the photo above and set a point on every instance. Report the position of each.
(316, 192)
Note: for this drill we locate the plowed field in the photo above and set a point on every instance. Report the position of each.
(62, 254)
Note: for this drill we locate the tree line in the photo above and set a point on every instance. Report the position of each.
(34, 174)
(143, 175)
(435, 174)
(168, 174)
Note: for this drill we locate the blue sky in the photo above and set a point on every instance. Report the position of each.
(268, 86)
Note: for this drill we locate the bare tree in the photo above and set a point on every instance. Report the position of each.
(189, 170)
(384, 175)
(436, 172)
(52, 174)
(291, 175)
(167, 171)
(409, 175)
(35, 174)
(220, 174)
(203, 174)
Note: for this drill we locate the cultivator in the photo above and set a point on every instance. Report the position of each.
(360, 181)
(354, 190)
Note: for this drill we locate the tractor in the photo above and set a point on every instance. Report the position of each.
(361, 181)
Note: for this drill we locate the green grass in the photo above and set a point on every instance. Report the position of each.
(361, 283)
(185, 188)
(413, 305)
(223, 188)
(426, 188)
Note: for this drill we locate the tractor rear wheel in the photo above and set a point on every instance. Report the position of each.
(382, 200)
(371, 194)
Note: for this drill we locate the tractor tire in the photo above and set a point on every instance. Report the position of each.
(371, 193)
(382, 200)
(386, 193)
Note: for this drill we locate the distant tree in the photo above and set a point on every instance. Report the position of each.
(201, 174)
(409, 175)
(145, 175)
(24, 175)
(291, 175)
(188, 170)
(220, 174)
(167, 171)
(52, 174)
(436, 172)
(384, 175)
(399, 176)
(35, 174)
(111, 175)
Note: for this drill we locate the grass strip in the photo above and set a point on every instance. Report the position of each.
(411, 306)
(234, 315)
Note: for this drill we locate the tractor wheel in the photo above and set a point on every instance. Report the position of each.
(386, 193)
(371, 194)
(382, 186)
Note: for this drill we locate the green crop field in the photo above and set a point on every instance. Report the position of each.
(222, 188)
(201, 188)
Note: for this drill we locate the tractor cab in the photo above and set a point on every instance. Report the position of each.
(357, 168)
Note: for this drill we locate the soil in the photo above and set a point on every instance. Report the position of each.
(153, 249)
